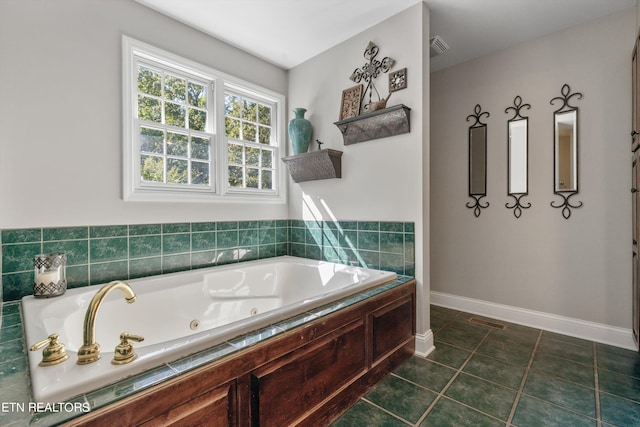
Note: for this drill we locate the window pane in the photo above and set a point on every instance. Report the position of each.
(149, 109)
(199, 148)
(235, 154)
(152, 168)
(177, 171)
(149, 81)
(151, 140)
(252, 178)
(264, 135)
(267, 180)
(232, 106)
(199, 173)
(249, 110)
(197, 119)
(248, 132)
(267, 158)
(174, 89)
(197, 95)
(253, 156)
(235, 176)
(177, 144)
(232, 127)
(174, 114)
(264, 115)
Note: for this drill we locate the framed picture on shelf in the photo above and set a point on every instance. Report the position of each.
(350, 104)
(398, 80)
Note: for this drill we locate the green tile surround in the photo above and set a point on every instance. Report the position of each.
(99, 254)
(381, 245)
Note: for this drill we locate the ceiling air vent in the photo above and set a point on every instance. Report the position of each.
(438, 46)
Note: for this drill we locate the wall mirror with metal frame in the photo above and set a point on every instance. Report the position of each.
(477, 161)
(565, 151)
(518, 157)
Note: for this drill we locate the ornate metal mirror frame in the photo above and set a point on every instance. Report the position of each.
(517, 157)
(477, 161)
(565, 151)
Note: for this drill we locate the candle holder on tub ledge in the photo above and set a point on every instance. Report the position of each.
(50, 276)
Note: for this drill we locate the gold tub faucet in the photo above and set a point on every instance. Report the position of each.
(89, 352)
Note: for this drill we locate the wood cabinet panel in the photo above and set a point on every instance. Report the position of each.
(213, 408)
(286, 389)
(191, 395)
(392, 326)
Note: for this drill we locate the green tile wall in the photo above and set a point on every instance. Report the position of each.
(381, 245)
(99, 254)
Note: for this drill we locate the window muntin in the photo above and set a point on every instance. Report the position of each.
(251, 147)
(171, 99)
(168, 156)
(172, 112)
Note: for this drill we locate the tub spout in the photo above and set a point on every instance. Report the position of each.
(89, 352)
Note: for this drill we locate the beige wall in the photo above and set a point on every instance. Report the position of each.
(580, 267)
(60, 63)
(381, 179)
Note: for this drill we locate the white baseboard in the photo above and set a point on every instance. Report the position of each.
(598, 332)
(424, 343)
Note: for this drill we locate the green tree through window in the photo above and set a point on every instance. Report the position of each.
(178, 107)
(248, 127)
(178, 145)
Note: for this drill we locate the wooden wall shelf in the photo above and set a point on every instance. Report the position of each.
(315, 165)
(389, 121)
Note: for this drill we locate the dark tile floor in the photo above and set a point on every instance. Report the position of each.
(484, 376)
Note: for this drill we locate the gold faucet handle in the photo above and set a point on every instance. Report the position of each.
(127, 336)
(124, 352)
(54, 353)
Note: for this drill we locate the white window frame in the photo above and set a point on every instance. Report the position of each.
(241, 92)
(135, 189)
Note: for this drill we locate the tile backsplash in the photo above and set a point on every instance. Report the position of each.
(99, 254)
(374, 244)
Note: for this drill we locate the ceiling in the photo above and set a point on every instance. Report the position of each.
(288, 32)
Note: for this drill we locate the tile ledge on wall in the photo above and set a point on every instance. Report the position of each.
(592, 331)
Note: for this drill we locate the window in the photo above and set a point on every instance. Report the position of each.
(180, 146)
(172, 122)
(249, 130)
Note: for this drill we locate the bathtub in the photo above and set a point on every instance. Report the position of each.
(180, 314)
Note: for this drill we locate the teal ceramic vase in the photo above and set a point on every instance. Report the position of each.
(300, 131)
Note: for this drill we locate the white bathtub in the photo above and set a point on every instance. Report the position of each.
(225, 302)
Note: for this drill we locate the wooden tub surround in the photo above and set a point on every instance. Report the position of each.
(306, 376)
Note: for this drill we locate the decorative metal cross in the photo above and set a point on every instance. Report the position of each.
(370, 70)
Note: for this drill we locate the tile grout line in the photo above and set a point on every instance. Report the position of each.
(453, 378)
(523, 381)
(447, 323)
(375, 405)
(88, 255)
(473, 409)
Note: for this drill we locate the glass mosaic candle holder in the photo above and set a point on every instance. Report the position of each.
(50, 276)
